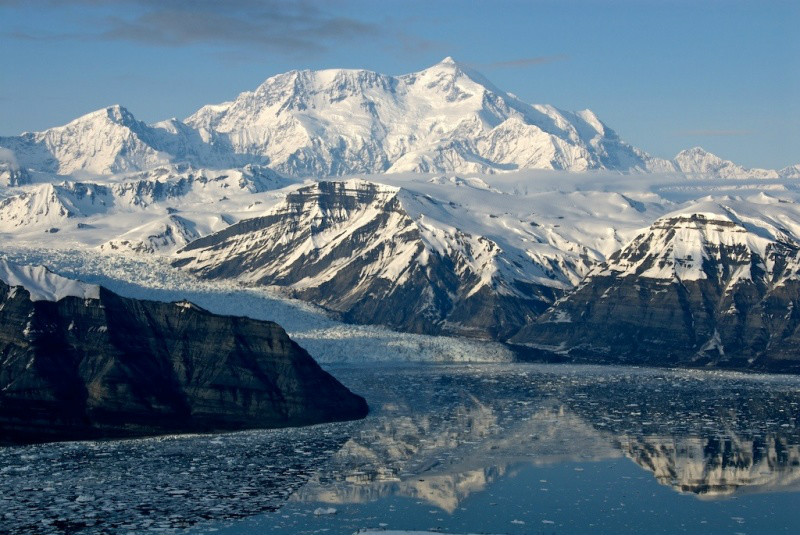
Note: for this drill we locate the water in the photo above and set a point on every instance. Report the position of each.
(505, 449)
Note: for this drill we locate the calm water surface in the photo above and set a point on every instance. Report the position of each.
(505, 449)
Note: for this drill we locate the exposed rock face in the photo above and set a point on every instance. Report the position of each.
(700, 288)
(354, 248)
(114, 367)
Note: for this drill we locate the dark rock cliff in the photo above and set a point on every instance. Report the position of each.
(118, 367)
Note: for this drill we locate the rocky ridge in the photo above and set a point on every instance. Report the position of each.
(355, 248)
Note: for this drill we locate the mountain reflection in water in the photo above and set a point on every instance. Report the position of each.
(443, 444)
(441, 434)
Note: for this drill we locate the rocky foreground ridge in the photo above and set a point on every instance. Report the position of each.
(93, 364)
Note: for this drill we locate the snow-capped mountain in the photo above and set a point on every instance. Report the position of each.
(444, 118)
(555, 256)
(699, 163)
(109, 141)
(725, 242)
(472, 213)
(47, 205)
(447, 118)
(716, 283)
(366, 251)
(428, 254)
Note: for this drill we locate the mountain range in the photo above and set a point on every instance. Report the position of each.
(447, 118)
(435, 203)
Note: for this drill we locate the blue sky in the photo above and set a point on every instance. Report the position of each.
(665, 74)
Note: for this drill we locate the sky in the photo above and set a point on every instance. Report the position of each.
(665, 74)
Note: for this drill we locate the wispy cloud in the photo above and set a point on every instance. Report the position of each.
(714, 133)
(281, 26)
(524, 62)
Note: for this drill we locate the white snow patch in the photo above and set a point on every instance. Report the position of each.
(43, 284)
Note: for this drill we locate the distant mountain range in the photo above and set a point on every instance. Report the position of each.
(447, 118)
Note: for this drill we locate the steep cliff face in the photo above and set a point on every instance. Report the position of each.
(82, 368)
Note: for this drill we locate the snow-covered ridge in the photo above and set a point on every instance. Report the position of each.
(722, 239)
(444, 118)
(44, 285)
(699, 163)
(109, 141)
(439, 248)
(150, 211)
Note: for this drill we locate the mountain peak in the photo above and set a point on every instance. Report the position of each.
(336, 122)
(450, 72)
(451, 65)
(694, 151)
(115, 113)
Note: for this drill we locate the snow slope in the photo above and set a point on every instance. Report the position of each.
(111, 140)
(43, 284)
(743, 238)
